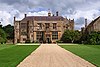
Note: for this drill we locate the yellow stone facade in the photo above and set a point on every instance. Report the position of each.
(41, 28)
(93, 26)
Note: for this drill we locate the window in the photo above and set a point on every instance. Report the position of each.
(23, 33)
(24, 39)
(39, 35)
(47, 25)
(31, 35)
(54, 35)
(54, 26)
(23, 25)
(40, 25)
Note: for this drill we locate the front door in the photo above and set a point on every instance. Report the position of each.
(48, 40)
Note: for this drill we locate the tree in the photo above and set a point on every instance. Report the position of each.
(0, 25)
(9, 31)
(92, 38)
(2, 36)
(70, 36)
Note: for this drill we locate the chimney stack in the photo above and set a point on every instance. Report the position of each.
(85, 23)
(49, 13)
(14, 18)
(0, 25)
(25, 15)
(53, 15)
(57, 13)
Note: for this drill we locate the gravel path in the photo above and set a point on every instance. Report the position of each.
(53, 56)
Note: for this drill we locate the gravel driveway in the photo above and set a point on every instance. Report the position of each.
(53, 55)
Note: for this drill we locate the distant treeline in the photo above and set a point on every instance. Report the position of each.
(71, 36)
(6, 33)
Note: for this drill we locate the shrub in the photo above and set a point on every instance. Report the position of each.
(70, 36)
(92, 38)
(59, 41)
(27, 41)
(36, 41)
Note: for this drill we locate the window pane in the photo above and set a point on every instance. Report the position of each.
(54, 35)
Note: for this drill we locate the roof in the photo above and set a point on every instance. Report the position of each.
(17, 21)
(46, 18)
(93, 22)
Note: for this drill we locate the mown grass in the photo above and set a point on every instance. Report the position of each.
(12, 56)
(6, 46)
(90, 53)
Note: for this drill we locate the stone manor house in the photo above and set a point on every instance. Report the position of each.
(92, 26)
(41, 28)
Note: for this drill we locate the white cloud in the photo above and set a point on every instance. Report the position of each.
(90, 15)
(41, 13)
(4, 18)
(89, 9)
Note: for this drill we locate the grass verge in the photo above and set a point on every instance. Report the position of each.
(90, 53)
(12, 56)
(6, 46)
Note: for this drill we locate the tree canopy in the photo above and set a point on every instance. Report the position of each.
(2, 36)
(91, 38)
(9, 31)
(70, 36)
(6, 33)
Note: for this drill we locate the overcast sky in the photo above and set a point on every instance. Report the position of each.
(74, 9)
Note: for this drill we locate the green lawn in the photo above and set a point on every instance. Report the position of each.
(11, 56)
(6, 46)
(90, 53)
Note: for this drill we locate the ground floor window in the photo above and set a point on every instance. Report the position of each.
(54, 35)
(18, 41)
(39, 35)
(24, 39)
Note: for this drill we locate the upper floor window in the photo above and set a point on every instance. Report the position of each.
(23, 25)
(40, 25)
(47, 25)
(54, 26)
(23, 33)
